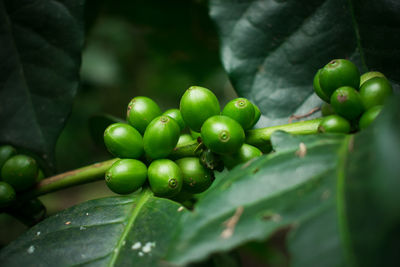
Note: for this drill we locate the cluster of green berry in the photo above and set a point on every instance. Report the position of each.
(144, 144)
(19, 172)
(352, 102)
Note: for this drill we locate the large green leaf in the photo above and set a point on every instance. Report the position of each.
(321, 188)
(41, 43)
(372, 193)
(272, 49)
(336, 195)
(116, 231)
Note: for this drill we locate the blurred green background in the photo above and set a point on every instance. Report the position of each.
(153, 48)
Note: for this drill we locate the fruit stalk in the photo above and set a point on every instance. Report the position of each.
(261, 137)
(79, 176)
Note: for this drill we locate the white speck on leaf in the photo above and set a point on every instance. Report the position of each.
(148, 246)
(123, 243)
(140, 254)
(87, 213)
(137, 245)
(180, 209)
(82, 228)
(38, 233)
(31, 249)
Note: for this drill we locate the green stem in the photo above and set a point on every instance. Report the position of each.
(258, 137)
(261, 137)
(187, 150)
(79, 176)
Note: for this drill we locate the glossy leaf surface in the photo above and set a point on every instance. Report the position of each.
(272, 49)
(41, 43)
(116, 231)
(327, 190)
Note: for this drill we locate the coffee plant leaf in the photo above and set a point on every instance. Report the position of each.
(41, 44)
(328, 192)
(272, 49)
(130, 230)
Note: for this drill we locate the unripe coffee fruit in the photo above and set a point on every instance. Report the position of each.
(123, 141)
(222, 134)
(126, 176)
(161, 137)
(197, 105)
(20, 172)
(165, 178)
(141, 111)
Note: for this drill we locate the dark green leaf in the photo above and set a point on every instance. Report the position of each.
(272, 49)
(372, 192)
(276, 191)
(116, 231)
(323, 188)
(41, 43)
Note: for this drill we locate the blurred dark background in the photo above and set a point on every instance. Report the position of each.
(154, 48)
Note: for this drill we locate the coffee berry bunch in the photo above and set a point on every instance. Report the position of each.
(146, 143)
(352, 102)
(19, 173)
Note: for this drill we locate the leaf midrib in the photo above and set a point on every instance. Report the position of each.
(134, 213)
(344, 230)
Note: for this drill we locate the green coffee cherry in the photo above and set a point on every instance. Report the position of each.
(6, 152)
(222, 134)
(7, 194)
(257, 115)
(196, 178)
(197, 105)
(245, 153)
(346, 102)
(20, 172)
(165, 178)
(241, 110)
(338, 73)
(369, 116)
(161, 137)
(123, 141)
(141, 111)
(317, 87)
(184, 139)
(375, 91)
(334, 124)
(126, 176)
(327, 109)
(368, 75)
(176, 115)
